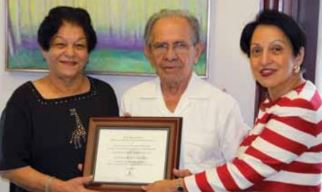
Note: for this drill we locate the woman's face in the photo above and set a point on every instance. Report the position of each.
(68, 52)
(271, 57)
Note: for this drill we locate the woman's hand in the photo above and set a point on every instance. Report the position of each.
(32, 180)
(76, 184)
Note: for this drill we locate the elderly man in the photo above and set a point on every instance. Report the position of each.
(212, 123)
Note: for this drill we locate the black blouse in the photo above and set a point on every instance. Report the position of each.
(38, 132)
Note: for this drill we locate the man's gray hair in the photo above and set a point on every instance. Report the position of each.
(192, 20)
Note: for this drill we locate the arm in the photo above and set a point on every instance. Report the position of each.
(124, 107)
(279, 137)
(277, 142)
(32, 180)
(123, 110)
(16, 151)
(114, 104)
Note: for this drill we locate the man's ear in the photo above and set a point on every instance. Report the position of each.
(147, 52)
(148, 55)
(199, 47)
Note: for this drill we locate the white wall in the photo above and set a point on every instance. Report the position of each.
(318, 73)
(228, 68)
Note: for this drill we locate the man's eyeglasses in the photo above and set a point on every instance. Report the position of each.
(178, 48)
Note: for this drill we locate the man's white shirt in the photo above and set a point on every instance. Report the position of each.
(212, 123)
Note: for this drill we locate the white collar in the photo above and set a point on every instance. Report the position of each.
(190, 92)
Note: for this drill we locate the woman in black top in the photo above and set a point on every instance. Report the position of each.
(44, 124)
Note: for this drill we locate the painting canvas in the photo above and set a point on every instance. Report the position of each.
(119, 25)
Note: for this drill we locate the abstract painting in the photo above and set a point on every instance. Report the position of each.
(119, 25)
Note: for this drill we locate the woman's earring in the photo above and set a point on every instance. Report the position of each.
(296, 69)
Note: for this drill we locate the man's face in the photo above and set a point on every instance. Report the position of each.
(171, 50)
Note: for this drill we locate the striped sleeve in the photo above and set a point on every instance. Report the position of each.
(292, 130)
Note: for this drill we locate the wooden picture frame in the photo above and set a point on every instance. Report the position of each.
(125, 153)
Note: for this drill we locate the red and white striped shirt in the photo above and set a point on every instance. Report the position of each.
(283, 152)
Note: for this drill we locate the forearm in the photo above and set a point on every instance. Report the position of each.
(30, 179)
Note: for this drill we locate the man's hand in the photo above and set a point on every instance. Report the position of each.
(181, 172)
(161, 186)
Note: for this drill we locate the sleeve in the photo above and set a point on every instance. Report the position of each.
(108, 97)
(114, 104)
(282, 140)
(233, 133)
(16, 135)
(123, 110)
(127, 101)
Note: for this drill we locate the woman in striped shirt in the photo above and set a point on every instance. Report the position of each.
(283, 152)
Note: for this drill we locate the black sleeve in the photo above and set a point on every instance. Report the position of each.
(114, 108)
(108, 98)
(15, 133)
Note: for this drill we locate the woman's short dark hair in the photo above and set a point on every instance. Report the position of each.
(55, 19)
(284, 22)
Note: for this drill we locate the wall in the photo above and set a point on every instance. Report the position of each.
(318, 75)
(228, 68)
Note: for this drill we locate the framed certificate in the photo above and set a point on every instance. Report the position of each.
(125, 153)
